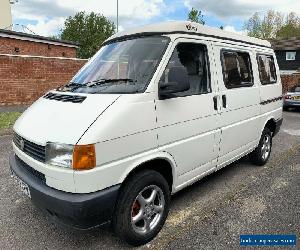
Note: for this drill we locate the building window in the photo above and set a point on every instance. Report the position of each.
(237, 70)
(267, 69)
(290, 55)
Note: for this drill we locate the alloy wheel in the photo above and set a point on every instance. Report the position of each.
(147, 209)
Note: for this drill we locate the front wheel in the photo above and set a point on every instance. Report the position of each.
(262, 153)
(142, 208)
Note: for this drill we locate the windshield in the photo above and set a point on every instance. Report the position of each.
(120, 67)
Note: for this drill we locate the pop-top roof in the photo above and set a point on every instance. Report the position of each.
(190, 28)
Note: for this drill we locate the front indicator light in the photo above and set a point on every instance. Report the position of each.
(84, 157)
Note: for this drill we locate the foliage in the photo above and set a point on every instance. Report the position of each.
(291, 28)
(89, 30)
(7, 119)
(196, 16)
(273, 25)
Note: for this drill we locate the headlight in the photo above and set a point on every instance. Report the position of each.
(59, 154)
(78, 157)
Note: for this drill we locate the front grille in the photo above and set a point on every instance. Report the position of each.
(65, 98)
(33, 150)
(32, 171)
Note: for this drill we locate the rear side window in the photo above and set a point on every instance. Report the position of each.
(237, 70)
(267, 69)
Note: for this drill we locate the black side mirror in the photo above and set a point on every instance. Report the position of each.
(178, 81)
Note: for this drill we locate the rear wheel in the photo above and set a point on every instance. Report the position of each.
(142, 208)
(261, 154)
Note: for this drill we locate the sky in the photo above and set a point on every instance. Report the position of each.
(46, 17)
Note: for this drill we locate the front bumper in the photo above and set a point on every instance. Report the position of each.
(82, 211)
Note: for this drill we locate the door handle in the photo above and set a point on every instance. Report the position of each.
(224, 101)
(215, 98)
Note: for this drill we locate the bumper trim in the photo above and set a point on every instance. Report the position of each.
(82, 211)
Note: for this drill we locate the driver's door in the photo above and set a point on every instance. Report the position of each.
(188, 121)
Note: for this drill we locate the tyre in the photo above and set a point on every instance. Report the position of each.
(285, 108)
(261, 154)
(142, 207)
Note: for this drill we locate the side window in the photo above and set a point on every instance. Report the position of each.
(236, 69)
(267, 69)
(193, 59)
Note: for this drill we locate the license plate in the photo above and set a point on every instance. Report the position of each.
(22, 185)
(297, 98)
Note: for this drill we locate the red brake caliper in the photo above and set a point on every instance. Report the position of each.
(135, 208)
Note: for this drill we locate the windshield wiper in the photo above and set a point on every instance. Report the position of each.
(75, 85)
(70, 84)
(103, 81)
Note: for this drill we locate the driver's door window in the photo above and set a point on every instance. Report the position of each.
(193, 58)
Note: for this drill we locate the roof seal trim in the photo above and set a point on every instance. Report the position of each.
(142, 34)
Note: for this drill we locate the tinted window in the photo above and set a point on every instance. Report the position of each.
(267, 69)
(193, 59)
(244, 64)
(237, 69)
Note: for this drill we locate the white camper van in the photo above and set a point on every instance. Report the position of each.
(156, 109)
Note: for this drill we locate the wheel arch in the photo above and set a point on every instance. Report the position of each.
(270, 123)
(162, 163)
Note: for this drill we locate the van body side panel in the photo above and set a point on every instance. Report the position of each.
(240, 119)
(130, 114)
(187, 131)
(116, 172)
(271, 95)
(240, 123)
(188, 128)
(126, 132)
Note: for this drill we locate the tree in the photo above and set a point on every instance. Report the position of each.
(273, 25)
(266, 27)
(89, 30)
(291, 27)
(196, 16)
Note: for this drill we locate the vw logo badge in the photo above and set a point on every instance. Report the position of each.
(191, 28)
(22, 144)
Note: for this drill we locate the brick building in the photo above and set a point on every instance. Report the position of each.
(18, 43)
(287, 52)
(30, 65)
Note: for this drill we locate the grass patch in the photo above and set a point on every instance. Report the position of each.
(7, 119)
